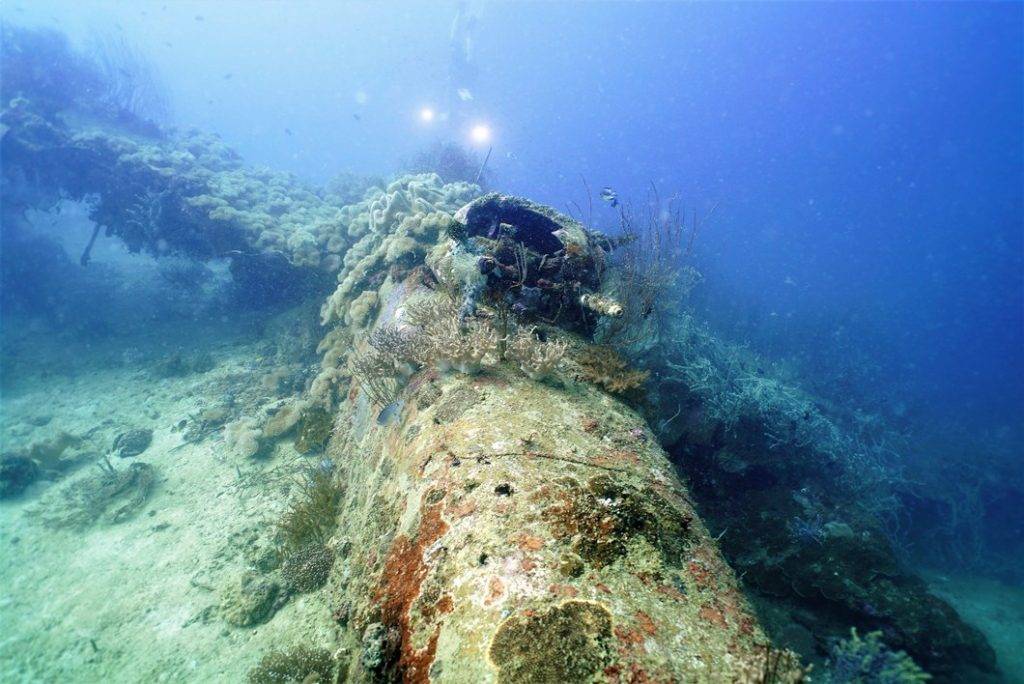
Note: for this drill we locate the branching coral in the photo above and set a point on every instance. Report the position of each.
(604, 366)
(375, 375)
(537, 359)
(448, 344)
(464, 348)
(391, 356)
(395, 347)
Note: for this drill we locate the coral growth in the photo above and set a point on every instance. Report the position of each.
(464, 348)
(133, 442)
(243, 437)
(603, 519)
(312, 514)
(299, 664)
(392, 227)
(867, 660)
(449, 160)
(603, 366)
(567, 643)
(307, 568)
(315, 426)
(537, 359)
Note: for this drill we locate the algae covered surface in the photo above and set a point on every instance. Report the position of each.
(441, 423)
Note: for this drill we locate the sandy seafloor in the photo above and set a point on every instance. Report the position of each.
(137, 600)
(994, 608)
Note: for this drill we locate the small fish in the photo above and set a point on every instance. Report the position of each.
(227, 76)
(390, 412)
(610, 196)
(465, 95)
(168, 43)
(288, 131)
(357, 117)
(199, 17)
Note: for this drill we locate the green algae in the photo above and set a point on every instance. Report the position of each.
(315, 426)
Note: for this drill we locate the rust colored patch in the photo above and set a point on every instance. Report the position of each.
(602, 587)
(700, 574)
(638, 676)
(445, 604)
(402, 577)
(563, 590)
(645, 622)
(541, 493)
(646, 578)
(527, 564)
(712, 615)
(495, 590)
(462, 509)
(589, 424)
(630, 637)
(529, 542)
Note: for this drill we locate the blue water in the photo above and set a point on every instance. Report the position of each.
(866, 158)
(862, 165)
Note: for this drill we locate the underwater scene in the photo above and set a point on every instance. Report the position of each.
(509, 342)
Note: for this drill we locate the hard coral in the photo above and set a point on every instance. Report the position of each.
(298, 664)
(306, 569)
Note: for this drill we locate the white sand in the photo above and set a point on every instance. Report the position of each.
(126, 602)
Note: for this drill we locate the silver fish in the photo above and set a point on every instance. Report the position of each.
(610, 196)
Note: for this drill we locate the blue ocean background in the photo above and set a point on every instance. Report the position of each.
(861, 166)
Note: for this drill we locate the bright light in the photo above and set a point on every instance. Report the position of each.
(480, 134)
(426, 115)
